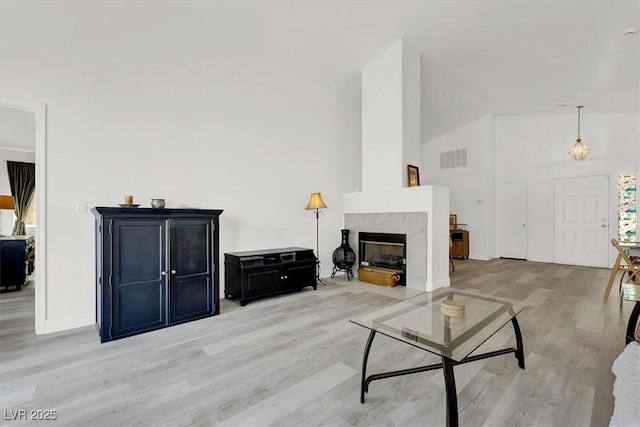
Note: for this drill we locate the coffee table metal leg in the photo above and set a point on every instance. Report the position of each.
(363, 385)
(520, 347)
(450, 389)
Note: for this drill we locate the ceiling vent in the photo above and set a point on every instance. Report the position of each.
(453, 159)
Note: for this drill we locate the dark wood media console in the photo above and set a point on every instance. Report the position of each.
(257, 274)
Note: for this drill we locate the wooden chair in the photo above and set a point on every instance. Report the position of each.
(451, 264)
(623, 263)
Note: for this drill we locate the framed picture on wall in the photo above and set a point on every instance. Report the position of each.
(413, 176)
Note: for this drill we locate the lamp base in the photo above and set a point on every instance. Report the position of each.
(318, 278)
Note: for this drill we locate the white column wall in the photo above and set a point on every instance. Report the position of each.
(410, 109)
(382, 133)
(390, 141)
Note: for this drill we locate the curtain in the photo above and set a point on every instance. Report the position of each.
(22, 179)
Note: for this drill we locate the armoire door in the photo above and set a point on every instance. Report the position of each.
(191, 274)
(138, 287)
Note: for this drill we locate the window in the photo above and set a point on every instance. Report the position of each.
(627, 202)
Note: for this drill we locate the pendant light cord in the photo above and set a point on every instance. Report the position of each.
(579, 107)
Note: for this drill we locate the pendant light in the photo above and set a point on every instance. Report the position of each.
(579, 151)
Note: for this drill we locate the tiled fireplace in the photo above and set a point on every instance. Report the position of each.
(411, 224)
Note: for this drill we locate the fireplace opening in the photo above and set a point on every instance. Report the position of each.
(384, 251)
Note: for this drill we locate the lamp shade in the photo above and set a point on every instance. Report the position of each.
(6, 202)
(316, 202)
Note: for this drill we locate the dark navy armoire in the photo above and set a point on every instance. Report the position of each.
(154, 268)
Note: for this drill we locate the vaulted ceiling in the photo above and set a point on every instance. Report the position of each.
(478, 57)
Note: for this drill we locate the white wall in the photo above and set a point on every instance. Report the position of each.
(6, 216)
(531, 148)
(222, 116)
(472, 188)
(535, 149)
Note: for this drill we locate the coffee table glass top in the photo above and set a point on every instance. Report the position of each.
(419, 322)
(631, 292)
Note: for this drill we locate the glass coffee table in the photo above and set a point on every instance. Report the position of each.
(418, 321)
(631, 292)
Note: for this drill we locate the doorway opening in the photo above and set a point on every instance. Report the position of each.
(512, 220)
(39, 111)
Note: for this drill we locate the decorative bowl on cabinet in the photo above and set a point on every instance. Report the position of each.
(157, 203)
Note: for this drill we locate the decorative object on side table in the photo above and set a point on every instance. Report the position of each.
(453, 222)
(157, 203)
(413, 176)
(316, 203)
(344, 257)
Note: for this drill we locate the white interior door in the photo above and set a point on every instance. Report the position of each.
(512, 220)
(581, 221)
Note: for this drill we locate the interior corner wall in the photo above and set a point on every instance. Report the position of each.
(472, 188)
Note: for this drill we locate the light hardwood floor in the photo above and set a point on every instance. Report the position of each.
(295, 360)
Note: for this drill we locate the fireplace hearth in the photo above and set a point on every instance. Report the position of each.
(385, 251)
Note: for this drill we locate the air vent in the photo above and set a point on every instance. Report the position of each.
(453, 159)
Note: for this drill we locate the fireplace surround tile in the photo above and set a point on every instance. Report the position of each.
(413, 224)
(417, 269)
(416, 223)
(417, 244)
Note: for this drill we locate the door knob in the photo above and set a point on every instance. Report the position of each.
(173, 272)
(603, 226)
(164, 273)
(524, 225)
